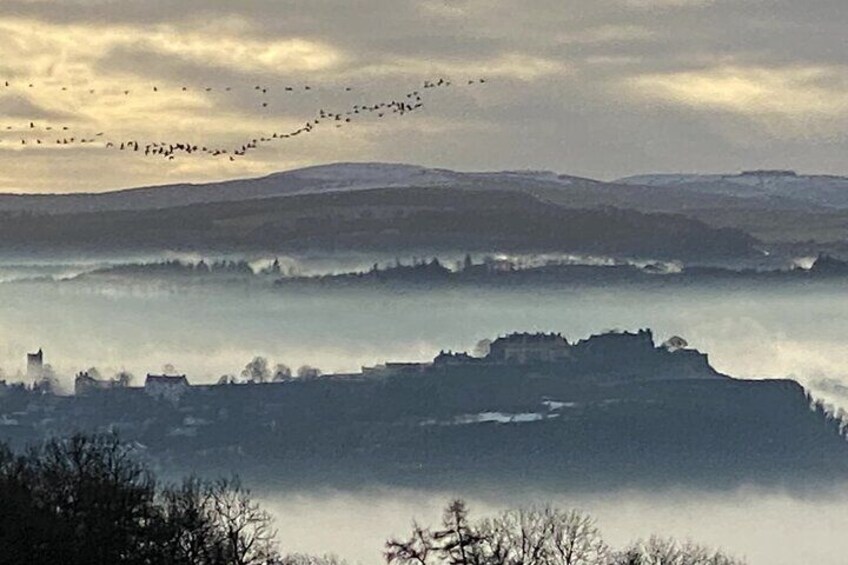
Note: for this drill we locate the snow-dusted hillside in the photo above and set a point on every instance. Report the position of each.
(649, 193)
(370, 175)
(821, 190)
(310, 180)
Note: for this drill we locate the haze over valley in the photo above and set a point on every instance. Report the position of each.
(423, 282)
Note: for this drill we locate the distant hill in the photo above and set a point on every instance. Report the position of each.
(817, 190)
(778, 207)
(399, 220)
(337, 177)
(658, 193)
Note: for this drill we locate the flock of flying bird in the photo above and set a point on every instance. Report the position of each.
(409, 102)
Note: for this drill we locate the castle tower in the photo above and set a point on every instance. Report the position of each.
(35, 365)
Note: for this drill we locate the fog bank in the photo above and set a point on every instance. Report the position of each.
(768, 528)
(763, 332)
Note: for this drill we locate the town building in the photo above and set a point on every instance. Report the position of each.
(166, 387)
(85, 384)
(454, 358)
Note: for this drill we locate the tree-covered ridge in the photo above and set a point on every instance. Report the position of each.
(397, 220)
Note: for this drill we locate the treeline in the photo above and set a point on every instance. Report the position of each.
(398, 220)
(238, 267)
(89, 500)
(535, 536)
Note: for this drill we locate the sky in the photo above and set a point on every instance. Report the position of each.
(597, 88)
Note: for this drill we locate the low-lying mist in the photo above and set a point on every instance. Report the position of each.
(767, 528)
(762, 332)
(205, 332)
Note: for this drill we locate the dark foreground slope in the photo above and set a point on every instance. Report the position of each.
(393, 219)
(644, 418)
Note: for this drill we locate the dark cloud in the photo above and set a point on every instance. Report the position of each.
(601, 88)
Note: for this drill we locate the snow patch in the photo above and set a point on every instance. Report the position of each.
(491, 417)
(554, 405)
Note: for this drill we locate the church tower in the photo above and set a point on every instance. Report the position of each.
(35, 365)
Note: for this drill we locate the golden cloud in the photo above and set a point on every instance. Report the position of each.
(802, 92)
(34, 48)
(507, 65)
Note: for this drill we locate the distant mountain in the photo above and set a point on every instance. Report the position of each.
(401, 220)
(819, 190)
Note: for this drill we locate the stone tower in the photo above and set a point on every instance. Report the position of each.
(35, 365)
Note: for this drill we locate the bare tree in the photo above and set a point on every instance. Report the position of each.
(256, 371)
(661, 551)
(98, 493)
(189, 531)
(575, 538)
(227, 380)
(544, 536)
(282, 372)
(457, 543)
(124, 378)
(459, 540)
(516, 537)
(248, 533)
(419, 549)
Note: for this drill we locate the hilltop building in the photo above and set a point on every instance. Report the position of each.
(524, 348)
(613, 354)
(85, 384)
(35, 365)
(167, 387)
(454, 358)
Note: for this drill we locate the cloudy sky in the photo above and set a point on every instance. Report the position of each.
(600, 88)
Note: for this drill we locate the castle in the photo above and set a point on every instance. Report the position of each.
(615, 352)
(525, 348)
